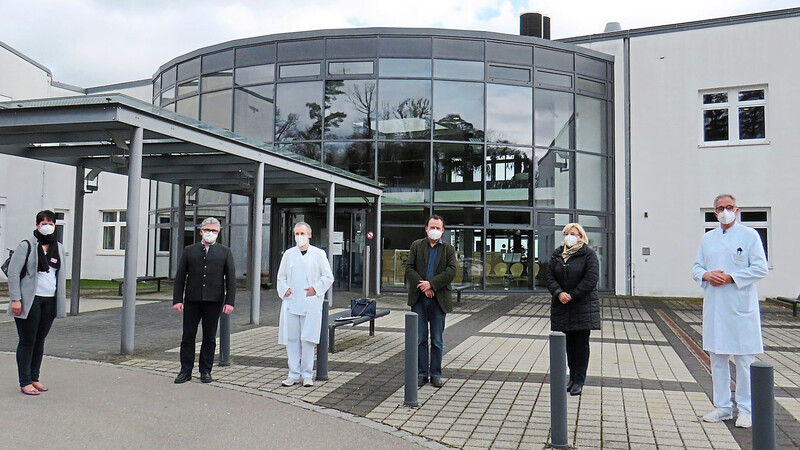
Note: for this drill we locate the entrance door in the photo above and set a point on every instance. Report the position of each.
(349, 240)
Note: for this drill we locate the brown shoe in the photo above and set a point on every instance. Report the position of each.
(39, 386)
(29, 390)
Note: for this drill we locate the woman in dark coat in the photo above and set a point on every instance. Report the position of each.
(572, 276)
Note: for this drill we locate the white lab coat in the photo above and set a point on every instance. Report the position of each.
(318, 275)
(731, 314)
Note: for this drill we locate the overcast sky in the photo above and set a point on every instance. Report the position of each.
(96, 42)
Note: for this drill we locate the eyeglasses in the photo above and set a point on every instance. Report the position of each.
(209, 230)
(719, 209)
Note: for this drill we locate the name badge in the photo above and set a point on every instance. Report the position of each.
(54, 260)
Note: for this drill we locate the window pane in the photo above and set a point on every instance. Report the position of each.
(458, 175)
(189, 107)
(396, 242)
(404, 168)
(188, 69)
(167, 96)
(553, 59)
(168, 77)
(715, 125)
(554, 118)
(591, 182)
(164, 239)
(355, 157)
(508, 262)
(757, 94)
(508, 175)
(710, 217)
(510, 217)
(591, 86)
(552, 184)
(396, 67)
(461, 70)
(188, 87)
(751, 123)
(554, 79)
(547, 239)
(351, 68)
(762, 233)
(590, 124)
(108, 238)
(509, 114)
(219, 80)
(109, 216)
(509, 73)
(298, 114)
(721, 97)
(216, 108)
(405, 215)
(350, 109)
(468, 244)
(749, 216)
(253, 116)
(599, 243)
(123, 216)
(458, 111)
(460, 215)
(300, 70)
(591, 221)
(255, 74)
(552, 219)
(405, 109)
(122, 237)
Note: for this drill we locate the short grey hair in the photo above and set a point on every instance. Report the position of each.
(298, 224)
(721, 196)
(211, 221)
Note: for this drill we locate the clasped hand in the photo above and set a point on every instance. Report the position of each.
(564, 297)
(310, 292)
(425, 287)
(717, 277)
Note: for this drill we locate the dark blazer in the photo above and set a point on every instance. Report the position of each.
(206, 277)
(445, 271)
(577, 277)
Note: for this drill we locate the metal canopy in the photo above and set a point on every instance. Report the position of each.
(94, 131)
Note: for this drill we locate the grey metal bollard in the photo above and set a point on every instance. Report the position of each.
(558, 391)
(224, 340)
(322, 348)
(762, 384)
(412, 326)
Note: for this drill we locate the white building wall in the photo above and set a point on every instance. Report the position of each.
(674, 177)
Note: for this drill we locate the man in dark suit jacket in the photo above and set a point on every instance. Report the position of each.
(430, 268)
(205, 286)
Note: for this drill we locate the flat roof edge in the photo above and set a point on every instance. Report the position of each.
(26, 58)
(684, 26)
(378, 31)
(123, 85)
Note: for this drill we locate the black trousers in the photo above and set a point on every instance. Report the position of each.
(32, 333)
(193, 313)
(577, 355)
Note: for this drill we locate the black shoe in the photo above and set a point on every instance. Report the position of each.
(576, 389)
(437, 382)
(183, 377)
(569, 385)
(206, 378)
(421, 381)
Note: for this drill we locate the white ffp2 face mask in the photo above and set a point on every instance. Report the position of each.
(726, 217)
(435, 234)
(47, 229)
(570, 240)
(209, 238)
(301, 240)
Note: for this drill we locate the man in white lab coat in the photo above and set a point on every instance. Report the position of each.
(303, 278)
(729, 262)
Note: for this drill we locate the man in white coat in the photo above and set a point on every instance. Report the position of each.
(729, 262)
(303, 278)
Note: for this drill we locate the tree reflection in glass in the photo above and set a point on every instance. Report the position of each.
(349, 109)
(508, 175)
(405, 109)
(458, 111)
(298, 115)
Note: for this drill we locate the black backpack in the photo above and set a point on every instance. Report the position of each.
(6, 263)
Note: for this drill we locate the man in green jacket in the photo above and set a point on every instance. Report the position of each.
(430, 269)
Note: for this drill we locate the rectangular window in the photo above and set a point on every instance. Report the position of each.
(113, 236)
(756, 218)
(734, 116)
(351, 68)
(300, 70)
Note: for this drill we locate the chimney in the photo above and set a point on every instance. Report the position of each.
(534, 24)
(612, 26)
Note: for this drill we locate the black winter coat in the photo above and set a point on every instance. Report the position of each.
(577, 277)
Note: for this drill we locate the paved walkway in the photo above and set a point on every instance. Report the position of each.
(647, 385)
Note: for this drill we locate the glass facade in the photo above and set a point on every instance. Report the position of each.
(508, 138)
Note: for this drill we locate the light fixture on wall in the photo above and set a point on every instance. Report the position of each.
(91, 181)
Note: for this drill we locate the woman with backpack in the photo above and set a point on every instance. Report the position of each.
(37, 289)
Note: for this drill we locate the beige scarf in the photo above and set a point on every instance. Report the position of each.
(567, 252)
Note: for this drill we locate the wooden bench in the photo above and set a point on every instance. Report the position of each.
(121, 281)
(791, 301)
(333, 324)
(459, 289)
